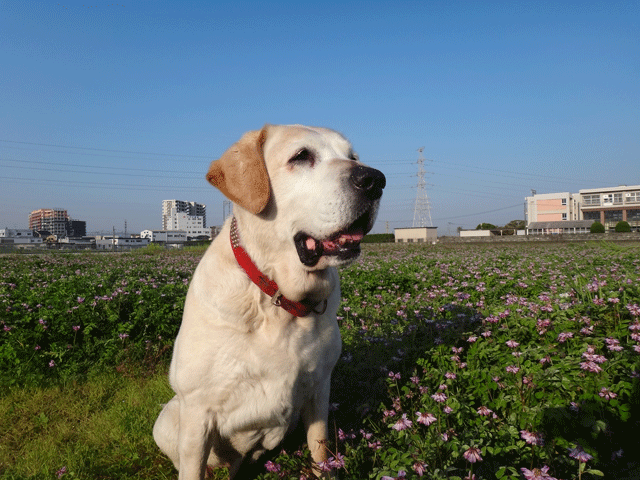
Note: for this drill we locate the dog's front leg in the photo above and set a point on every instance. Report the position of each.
(316, 416)
(194, 441)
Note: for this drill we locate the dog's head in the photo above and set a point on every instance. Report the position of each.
(308, 184)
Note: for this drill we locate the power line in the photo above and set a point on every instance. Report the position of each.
(482, 213)
(171, 175)
(89, 154)
(108, 186)
(445, 164)
(106, 150)
(468, 215)
(458, 166)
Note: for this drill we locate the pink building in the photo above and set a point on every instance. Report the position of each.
(551, 207)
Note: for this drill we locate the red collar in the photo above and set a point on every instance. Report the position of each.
(265, 284)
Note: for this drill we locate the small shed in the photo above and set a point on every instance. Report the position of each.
(416, 235)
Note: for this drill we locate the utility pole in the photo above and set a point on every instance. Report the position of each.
(226, 209)
(422, 210)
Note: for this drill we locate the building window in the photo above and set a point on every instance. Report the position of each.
(633, 215)
(617, 198)
(564, 202)
(613, 215)
(633, 197)
(564, 216)
(590, 200)
(591, 216)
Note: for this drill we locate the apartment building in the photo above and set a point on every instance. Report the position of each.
(193, 225)
(53, 220)
(57, 222)
(76, 228)
(172, 207)
(566, 212)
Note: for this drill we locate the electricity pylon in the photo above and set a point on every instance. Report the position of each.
(422, 210)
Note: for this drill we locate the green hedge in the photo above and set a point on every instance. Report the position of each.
(379, 238)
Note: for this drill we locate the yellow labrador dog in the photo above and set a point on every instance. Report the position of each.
(259, 337)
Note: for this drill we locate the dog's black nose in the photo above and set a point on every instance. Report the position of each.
(369, 180)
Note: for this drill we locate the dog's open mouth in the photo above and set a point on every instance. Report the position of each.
(344, 244)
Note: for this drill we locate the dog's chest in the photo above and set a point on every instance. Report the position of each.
(273, 381)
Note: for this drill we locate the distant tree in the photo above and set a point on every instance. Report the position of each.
(623, 227)
(485, 226)
(597, 227)
(516, 224)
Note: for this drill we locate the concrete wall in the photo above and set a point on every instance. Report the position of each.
(567, 237)
(475, 233)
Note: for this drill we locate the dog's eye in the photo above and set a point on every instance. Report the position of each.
(354, 156)
(303, 156)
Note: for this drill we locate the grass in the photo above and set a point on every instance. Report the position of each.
(98, 428)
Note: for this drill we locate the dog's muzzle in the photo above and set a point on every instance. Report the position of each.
(344, 244)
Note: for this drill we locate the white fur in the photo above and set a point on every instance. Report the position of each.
(244, 371)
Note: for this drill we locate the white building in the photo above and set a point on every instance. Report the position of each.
(117, 243)
(193, 225)
(17, 236)
(172, 207)
(164, 236)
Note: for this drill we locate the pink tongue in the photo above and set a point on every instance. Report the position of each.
(342, 240)
(310, 243)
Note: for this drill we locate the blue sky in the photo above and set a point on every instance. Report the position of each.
(107, 109)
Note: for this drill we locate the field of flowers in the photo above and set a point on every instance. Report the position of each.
(518, 361)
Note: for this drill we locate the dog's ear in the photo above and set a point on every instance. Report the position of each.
(241, 173)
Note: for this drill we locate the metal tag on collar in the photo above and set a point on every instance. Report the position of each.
(322, 309)
(277, 298)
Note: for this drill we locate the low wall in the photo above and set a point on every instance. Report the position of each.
(562, 237)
